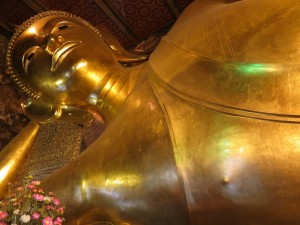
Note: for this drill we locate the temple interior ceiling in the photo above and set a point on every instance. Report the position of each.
(131, 21)
(137, 24)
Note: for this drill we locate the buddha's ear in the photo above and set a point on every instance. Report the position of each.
(119, 52)
(124, 56)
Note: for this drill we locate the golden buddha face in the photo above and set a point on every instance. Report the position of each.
(61, 58)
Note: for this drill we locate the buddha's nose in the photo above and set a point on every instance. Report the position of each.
(53, 42)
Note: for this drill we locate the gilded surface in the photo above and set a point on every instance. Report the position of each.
(206, 132)
(15, 153)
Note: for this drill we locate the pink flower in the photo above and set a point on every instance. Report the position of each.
(36, 215)
(36, 182)
(56, 201)
(3, 223)
(49, 207)
(60, 210)
(38, 197)
(51, 193)
(3, 215)
(47, 221)
(20, 189)
(58, 221)
(30, 186)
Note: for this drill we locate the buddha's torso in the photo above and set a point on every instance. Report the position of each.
(228, 87)
(209, 135)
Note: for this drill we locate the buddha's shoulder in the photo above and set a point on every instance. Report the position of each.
(243, 55)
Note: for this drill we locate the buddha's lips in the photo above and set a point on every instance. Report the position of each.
(60, 53)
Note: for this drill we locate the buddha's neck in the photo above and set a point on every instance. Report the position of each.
(113, 90)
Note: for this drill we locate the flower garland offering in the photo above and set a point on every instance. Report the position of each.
(31, 206)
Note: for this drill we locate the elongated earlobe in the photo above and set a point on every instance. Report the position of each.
(122, 55)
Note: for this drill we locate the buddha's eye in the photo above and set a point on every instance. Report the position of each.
(62, 27)
(28, 57)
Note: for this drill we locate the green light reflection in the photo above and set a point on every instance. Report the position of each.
(254, 68)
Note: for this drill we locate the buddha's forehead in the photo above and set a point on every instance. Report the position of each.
(35, 34)
(45, 26)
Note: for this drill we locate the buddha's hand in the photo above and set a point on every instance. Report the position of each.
(43, 111)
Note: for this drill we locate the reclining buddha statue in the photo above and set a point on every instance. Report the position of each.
(205, 132)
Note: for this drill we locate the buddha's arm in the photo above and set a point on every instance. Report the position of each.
(15, 153)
